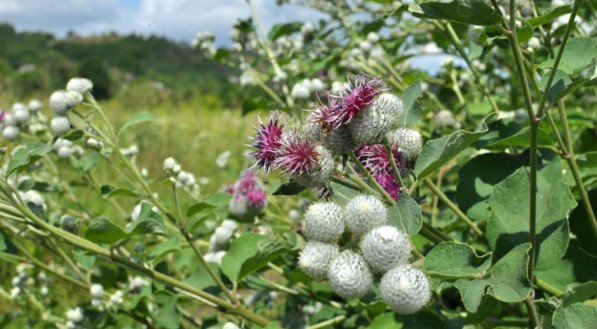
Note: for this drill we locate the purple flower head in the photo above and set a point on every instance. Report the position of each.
(375, 158)
(267, 141)
(256, 199)
(246, 183)
(387, 181)
(2, 115)
(297, 156)
(356, 99)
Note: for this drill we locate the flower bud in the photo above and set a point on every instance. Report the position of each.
(315, 258)
(370, 125)
(385, 247)
(350, 276)
(324, 222)
(363, 213)
(10, 132)
(96, 291)
(80, 85)
(405, 289)
(60, 125)
(408, 141)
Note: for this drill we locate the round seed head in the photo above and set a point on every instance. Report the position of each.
(370, 126)
(35, 105)
(408, 141)
(21, 113)
(59, 102)
(10, 132)
(73, 98)
(96, 290)
(385, 247)
(324, 222)
(315, 258)
(80, 85)
(350, 276)
(222, 235)
(405, 289)
(363, 213)
(60, 125)
(8, 119)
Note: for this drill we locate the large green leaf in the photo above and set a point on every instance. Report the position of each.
(577, 266)
(406, 215)
(136, 119)
(578, 54)
(474, 12)
(437, 152)
(167, 315)
(471, 292)
(550, 16)
(508, 277)
(455, 260)
(508, 224)
(412, 110)
(575, 316)
(103, 230)
(249, 253)
(26, 155)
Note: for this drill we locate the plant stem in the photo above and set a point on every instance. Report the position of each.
(395, 170)
(125, 263)
(533, 316)
(556, 62)
(328, 323)
(533, 125)
(372, 180)
(187, 236)
(452, 206)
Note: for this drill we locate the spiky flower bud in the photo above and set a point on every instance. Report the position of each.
(307, 162)
(408, 141)
(267, 141)
(74, 315)
(73, 98)
(35, 105)
(20, 112)
(222, 235)
(385, 247)
(363, 213)
(8, 119)
(80, 85)
(324, 221)
(68, 223)
(170, 164)
(338, 141)
(96, 291)
(60, 125)
(370, 125)
(350, 276)
(405, 289)
(10, 132)
(59, 102)
(534, 43)
(315, 258)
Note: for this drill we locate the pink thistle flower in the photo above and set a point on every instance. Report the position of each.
(297, 156)
(256, 199)
(375, 158)
(246, 182)
(388, 182)
(267, 141)
(356, 99)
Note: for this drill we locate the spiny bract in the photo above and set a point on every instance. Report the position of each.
(385, 247)
(324, 221)
(405, 289)
(408, 141)
(363, 213)
(350, 276)
(370, 126)
(315, 258)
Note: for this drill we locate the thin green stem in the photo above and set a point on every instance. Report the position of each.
(372, 180)
(328, 323)
(533, 315)
(187, 236)
(453, 207)
(556, 63)
(395, 170)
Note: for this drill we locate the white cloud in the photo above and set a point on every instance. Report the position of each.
(177, 19)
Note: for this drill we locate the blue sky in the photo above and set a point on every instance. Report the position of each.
(177, 19)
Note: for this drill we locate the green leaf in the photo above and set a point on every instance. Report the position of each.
(279, 30)
(386, 321)
(577, 266)
(148, 222)
(471, 292)
(103, 230)
(200, 207)
(136, 119)
(201, 279)
(87, 162)
(167, 315)
(74, 134)
(437, 152)
(549, 17)
(84, 259)
(109, 191)
(218, 200)
(578, 54)
(579, 292)
(290, 188)
(157, 252)
(406, 215)
(412, 110)
(508, 277)
(575, 316)
(474, 12)
(253, 104)
(455, 260)
(249, 253)
(508, 223)
(2, 242)
(27, 155)
(342, 194)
